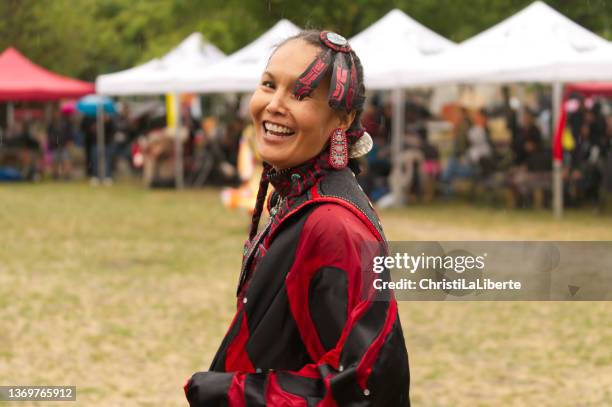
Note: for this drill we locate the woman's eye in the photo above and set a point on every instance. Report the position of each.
(301, 97)
(267, 84)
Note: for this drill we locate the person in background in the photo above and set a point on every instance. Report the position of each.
(510, 115)
(458, 165)
(480, 150)
(60, 136)
(598, 126)
(109, 135)
(230, 141)
(374, 118)
(528, 180)
(21, 151)
(585, 172)
(374, 178)
(88, 130)
(431, 165)
(576, 118)
(125, 135)
(530, 139)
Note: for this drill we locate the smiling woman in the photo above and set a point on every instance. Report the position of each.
(305, 333)
(291, 128)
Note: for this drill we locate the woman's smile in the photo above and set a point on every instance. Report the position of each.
(276, 133)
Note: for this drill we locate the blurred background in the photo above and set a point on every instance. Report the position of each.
(128, 173)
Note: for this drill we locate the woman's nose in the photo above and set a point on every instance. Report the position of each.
(277, 104)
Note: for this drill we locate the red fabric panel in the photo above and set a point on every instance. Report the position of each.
(558, 140)
(318, 199)
(355, 211)
(335, 234)
(328, 400)
(314, 191)
(365, 366)
(237, 358)
(275, 396)
(235, 394)
(186, 385)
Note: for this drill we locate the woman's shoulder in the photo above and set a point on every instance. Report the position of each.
(334, 236)
(342, 187)
(332, 221)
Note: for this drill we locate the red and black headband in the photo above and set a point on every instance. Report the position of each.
(338, 56)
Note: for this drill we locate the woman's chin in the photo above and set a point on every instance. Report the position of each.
(272, 156)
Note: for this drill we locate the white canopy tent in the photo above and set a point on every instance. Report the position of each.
(538, 44)
(396, 42)
(240, 71)
(594, 65)
(162, 75)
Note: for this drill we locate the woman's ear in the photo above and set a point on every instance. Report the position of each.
(346, 119)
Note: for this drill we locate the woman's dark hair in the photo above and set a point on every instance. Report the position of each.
(313, 37)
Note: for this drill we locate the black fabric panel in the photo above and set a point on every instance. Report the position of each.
(311, 390)
(363, 333)
(254, 390)
(268, 314)
(268, 278)
(324, 370)
(343, 184)
(391, 389)
(346, 390)
(328, 303)
(276, 343)
(218, 363)
(207, 389)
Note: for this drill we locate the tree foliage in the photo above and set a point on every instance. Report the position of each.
(90, 37)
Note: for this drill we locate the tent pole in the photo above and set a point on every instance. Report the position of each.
(100, 141)
(397, 121)
(178, 142)
(10, 115)
(557, 163)
(520, 96)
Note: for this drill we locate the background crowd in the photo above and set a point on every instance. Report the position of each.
(451, 153)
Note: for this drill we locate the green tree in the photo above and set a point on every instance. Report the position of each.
(90, 37)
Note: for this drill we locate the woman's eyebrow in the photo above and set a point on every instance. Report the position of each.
(271, 75)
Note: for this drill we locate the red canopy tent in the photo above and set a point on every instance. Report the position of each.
(21, 79)
(590, 88)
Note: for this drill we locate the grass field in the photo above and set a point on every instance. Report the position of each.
(125, 292)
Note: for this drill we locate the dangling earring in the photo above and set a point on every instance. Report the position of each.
(338, 149)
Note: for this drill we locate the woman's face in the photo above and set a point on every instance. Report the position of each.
(290, 131)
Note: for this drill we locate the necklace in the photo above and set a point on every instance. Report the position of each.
(253, 244)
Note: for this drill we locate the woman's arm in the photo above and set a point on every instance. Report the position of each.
(355, 338)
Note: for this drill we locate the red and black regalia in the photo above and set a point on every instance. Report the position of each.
(305, 332)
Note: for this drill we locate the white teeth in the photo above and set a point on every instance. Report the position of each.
(276, 128)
